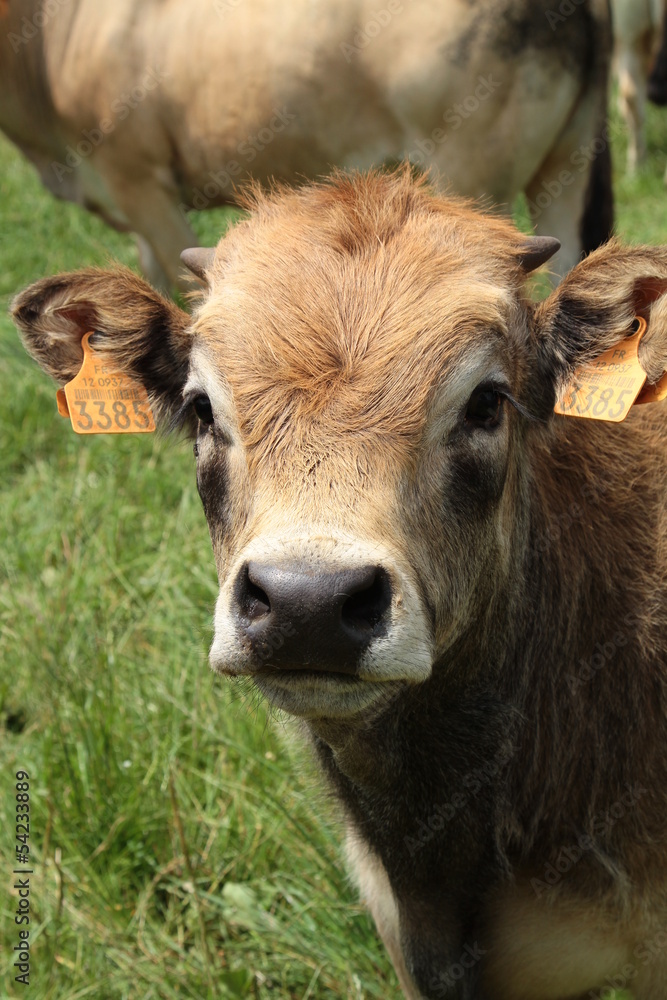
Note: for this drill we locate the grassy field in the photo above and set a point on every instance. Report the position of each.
(180, 847)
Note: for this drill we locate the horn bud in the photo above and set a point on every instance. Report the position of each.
(536, 250)
(199, 260)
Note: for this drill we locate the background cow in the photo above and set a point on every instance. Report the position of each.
(140, 111)
(463, 597)
(638, 37)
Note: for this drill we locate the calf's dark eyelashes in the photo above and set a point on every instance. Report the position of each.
(485, 408)
(198, 405)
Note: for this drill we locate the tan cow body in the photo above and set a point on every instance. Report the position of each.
(462, 597)
(141, 110)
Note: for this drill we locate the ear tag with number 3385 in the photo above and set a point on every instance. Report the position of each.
(607, 388)
(101, 400)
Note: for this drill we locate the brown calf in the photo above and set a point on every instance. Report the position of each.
(462, 596)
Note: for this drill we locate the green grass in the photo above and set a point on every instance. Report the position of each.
(181, 847)
(178, 842)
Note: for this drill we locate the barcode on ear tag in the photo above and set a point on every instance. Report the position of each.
(101, 400)
(606, 388)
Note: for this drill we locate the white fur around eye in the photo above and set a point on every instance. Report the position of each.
(206, 381)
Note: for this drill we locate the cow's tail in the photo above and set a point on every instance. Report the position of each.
(597, 221)
(657, 81)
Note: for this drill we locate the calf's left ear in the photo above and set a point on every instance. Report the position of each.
(594, 306)
(141, 333)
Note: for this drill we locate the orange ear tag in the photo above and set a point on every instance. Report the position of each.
(101, 400)
(606, 388)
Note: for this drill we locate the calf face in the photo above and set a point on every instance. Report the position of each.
(317, 370)
(364, 374)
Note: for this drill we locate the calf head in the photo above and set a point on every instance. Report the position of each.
(364, 377)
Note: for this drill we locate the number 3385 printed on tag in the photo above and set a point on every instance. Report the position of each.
(100, 400)
(608, 387)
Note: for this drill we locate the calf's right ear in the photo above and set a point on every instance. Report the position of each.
(594, 306)
(140, 333)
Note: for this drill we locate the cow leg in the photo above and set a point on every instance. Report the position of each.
(570, 196)
(162, 233)
(632, 68)
(161, 228)
(150, 265)
(562, 215)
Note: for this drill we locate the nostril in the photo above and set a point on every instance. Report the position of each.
(257, 602)
(367, 607)
(292, 616)
(253, 601)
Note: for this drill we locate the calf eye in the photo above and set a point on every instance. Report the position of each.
(202, 407)
(485, 408)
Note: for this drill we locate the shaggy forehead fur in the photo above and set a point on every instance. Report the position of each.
(343, 305)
